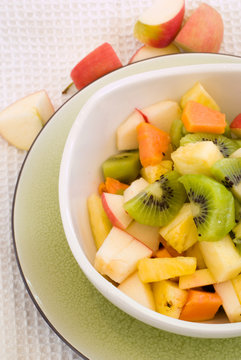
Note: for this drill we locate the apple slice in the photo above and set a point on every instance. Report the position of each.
(230, 300)
(147, 52)
(113, 206)
(99, 62)
(235, 126)
(203, 31)
(134, 189)
(126, 135)
(148, 235)
(159, 24)
(21, 121)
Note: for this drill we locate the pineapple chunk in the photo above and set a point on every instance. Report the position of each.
(231, 304)
(137, 290)
(99, 221)
(200, 277)
(196, 158)
(181, 232)
(157, 269)
(153, 172)
(199, 94)
(221, 258)
(169, 298)
(195, 251)
(237, 286)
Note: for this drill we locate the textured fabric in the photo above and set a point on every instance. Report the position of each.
(40, 42)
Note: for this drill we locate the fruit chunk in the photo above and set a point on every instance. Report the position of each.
(159, 202)
(99, 62)
(230, 301)
(236, 154)
(177, 131)
(237, 286)
(99, 222)
(118, 255)
(137, 290)
(202, 32)
(152, 173)
(199, 278)
(126, 135)
(199, 118)
(124, 166)
(148, 235)
(112, 186)
(228, 172)
(153, 143)
(196, 158)
(235, 126)
(200, 306)
(134, 189)
(147, 52)
(199, 94)
(159, 24)
(113, 206)
(221, 258)
(21, 121)
(162, 253)
(169, 298)
(212, 206)
(181, 232)
(157, 269)
(195, 251)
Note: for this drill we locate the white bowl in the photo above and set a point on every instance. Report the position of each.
(92, 139)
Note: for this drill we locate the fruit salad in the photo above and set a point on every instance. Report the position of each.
(166, 219)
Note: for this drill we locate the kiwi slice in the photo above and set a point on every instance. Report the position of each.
(237, 206)
(238, 142)
(235, 235)
(177, 131)
(228, 172)
(159, 202)
(225, 145)
(124, 166)
(212, 206)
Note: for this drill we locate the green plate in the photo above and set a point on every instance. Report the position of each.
(74, 309)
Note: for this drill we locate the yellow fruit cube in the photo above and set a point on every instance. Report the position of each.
(169, 298)
(199, 94)
(153, 172)
(231, 304)
(200, 277)
(181, 232)
(195, 251)
(237, 286)
(157, 269)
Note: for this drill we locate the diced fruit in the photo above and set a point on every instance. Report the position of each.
(135, 188)
(237, 286)
(157, 269)
(169, 248)
(236, 154)
(124, 166)
(228, 172)
(196, 158)
(159, 24)
(200, 306)
(169, 298)
(177, 131)
(137, 290)
(99, 221)
(202, 32)
(21, 121)
(235, 126)
(152, 173)
(195, 251)
(147, 52)
(113, 206)
(126, 134)
(159, 202)
(118, 255)
(181, 232)
(199, 94)
(99, 62)
(235, 235)
(112, 186)
(237, 206)
(212, 206)
(162, 253)
(202, 277)
(230, 301)
(199, 118)
(221, 258)
(148, 235)
(153, 143)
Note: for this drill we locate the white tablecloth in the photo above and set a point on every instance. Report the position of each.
(40, 42)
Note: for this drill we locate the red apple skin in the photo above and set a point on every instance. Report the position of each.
(143, 115)
(203, 31)
(147, 52)
(235, 125)
(99, 62)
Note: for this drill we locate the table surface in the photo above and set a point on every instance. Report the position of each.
(40, 42)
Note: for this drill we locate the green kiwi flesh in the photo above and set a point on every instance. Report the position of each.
(235, 235)
(237, 206)
(226, 146)
(212, 206)
(228, 172)
(124, 166)
(177, 131)
(159, 202)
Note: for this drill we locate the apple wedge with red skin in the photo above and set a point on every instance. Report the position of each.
(113, 206)
(235, 126)
(99, 62)
(160, 23)
(147, 52)
(202, 32)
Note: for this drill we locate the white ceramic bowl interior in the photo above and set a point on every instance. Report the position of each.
(92, 139)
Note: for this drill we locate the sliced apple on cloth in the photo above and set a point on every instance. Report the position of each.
(160, 23)
(21, 121)
(147, 52)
